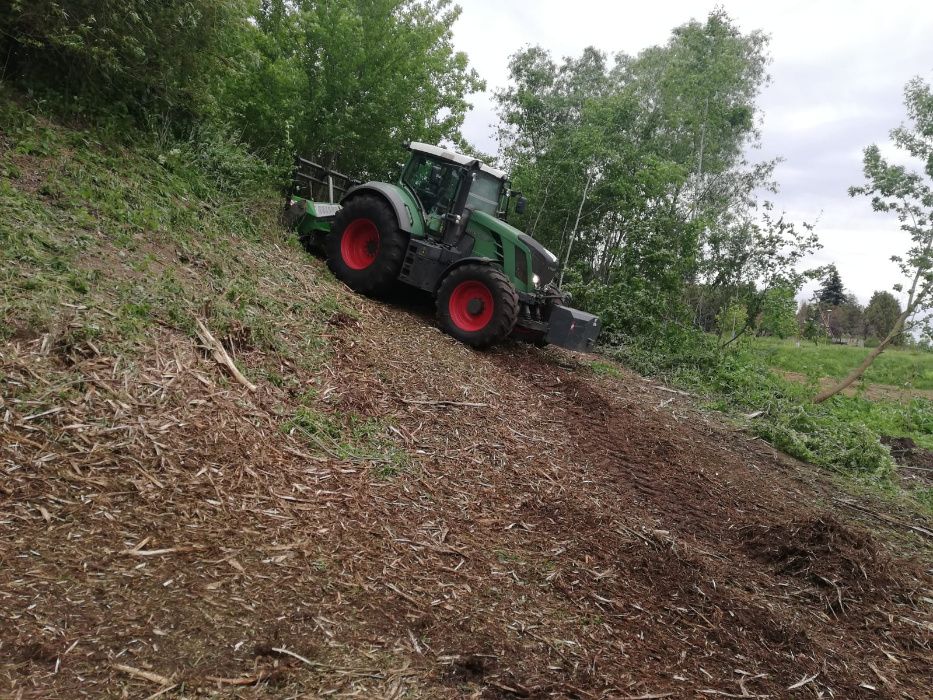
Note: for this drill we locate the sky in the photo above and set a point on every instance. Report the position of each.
(837, 75)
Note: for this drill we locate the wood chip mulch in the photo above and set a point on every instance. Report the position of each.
(165, 533)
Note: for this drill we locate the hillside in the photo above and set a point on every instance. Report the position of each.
(389, 514)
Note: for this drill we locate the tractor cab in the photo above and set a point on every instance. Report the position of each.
(446, 183)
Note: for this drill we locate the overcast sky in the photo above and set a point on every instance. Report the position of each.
(838, 71)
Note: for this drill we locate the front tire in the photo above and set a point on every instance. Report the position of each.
(365, 247)
(477, 305)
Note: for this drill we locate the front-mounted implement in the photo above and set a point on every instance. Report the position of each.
(441, 228)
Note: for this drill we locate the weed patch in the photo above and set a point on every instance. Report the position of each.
(349, 437)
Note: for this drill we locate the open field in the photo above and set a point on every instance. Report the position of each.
(902, 369)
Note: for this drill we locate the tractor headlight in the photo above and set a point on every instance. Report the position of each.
(535, 280)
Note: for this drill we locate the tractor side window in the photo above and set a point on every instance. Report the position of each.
(434, 183)
(484, 194)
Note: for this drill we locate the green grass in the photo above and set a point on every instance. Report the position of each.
(349, 437)
(138, 234)
(902, 368)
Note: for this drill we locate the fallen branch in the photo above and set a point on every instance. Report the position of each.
(142, 674)
(395, 589)
(309, 662)
(803, 681)
(244, 680)
(444, 402)
(163, 691)
(672, 391)
(155, 552)
(220, 355)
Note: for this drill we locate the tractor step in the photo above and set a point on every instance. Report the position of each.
(572, 329)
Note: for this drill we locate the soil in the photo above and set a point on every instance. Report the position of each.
(548, 534)
(915, 462)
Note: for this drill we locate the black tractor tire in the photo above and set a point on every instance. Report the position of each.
(477, 305)
(366, 247)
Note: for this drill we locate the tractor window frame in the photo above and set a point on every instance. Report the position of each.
(435, 201)
(477, 201)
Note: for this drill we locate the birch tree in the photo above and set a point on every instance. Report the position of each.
(908, 194)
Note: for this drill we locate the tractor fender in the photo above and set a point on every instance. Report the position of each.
(389, 193)
(472, 260)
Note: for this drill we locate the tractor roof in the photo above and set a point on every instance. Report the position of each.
(456, 158)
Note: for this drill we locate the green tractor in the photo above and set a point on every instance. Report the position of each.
(441, 228)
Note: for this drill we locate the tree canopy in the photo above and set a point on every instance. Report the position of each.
(881, 314)
(832, 292)
(345, 81)
(649, 149)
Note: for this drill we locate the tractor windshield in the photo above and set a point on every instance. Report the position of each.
(484, 193)
(434, 182)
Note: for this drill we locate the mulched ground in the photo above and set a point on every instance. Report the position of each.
(550, 533)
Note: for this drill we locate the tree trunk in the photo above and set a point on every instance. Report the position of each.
(573, 233)
(856, 373)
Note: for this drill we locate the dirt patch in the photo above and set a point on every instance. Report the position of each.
(829, 556)
(915, 463)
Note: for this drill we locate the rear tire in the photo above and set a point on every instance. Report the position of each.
(477, 305)
(365, 247)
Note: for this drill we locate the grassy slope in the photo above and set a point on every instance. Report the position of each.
(909, 369)
(101, 244)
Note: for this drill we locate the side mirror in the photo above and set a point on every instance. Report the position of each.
(520, 205)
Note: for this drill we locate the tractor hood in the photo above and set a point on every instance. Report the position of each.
(543, 261)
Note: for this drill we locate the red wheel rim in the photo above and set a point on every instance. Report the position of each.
(471, 306)
(359, 244)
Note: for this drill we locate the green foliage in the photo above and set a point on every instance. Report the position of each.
(347, 81)
(604, 369)
(349, 437)
(129, 57)
(670, 212)
(831, 291)
(779, 312)
(731, 321)
(845, 320)
(811, 324)
(343, 81)
(881, 315)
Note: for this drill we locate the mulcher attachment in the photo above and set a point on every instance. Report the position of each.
(572, 329)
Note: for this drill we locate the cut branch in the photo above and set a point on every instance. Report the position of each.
(220, 355)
